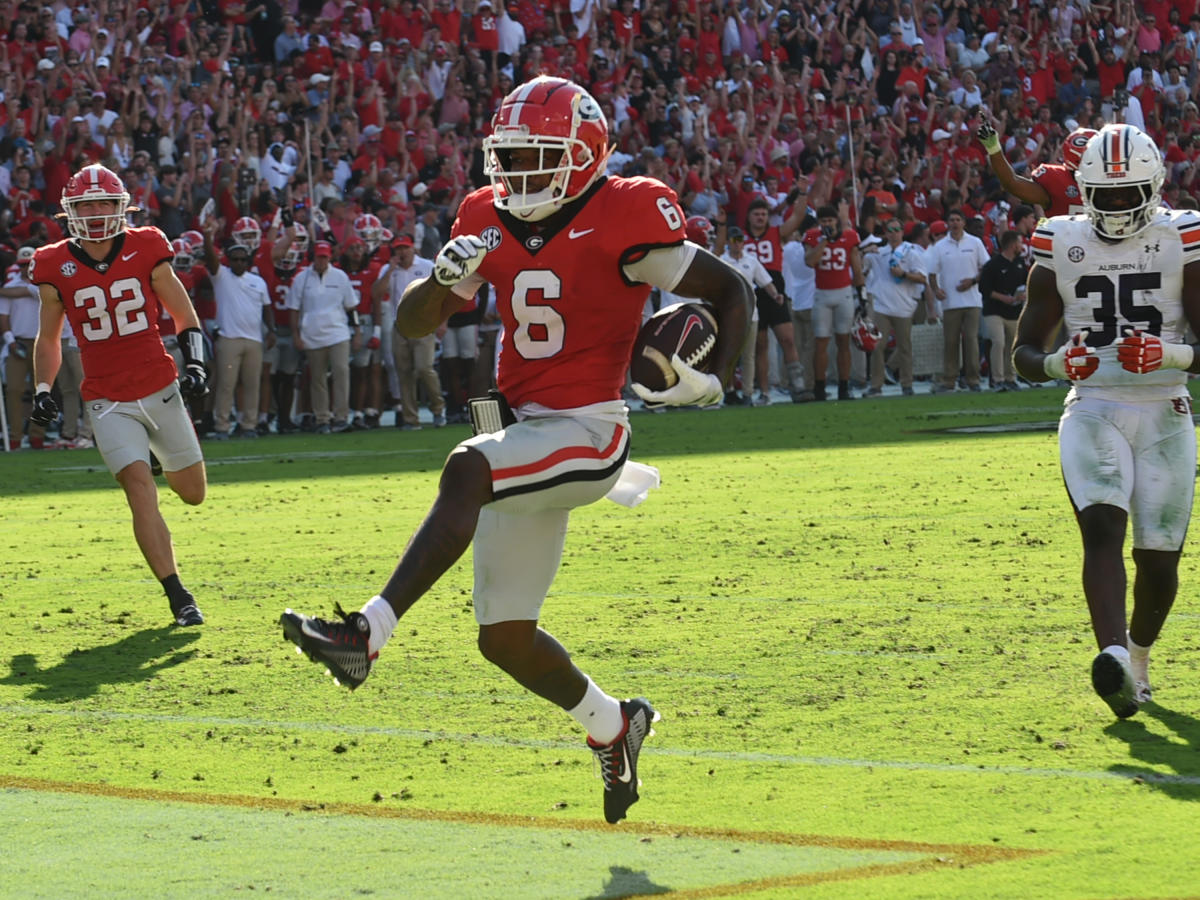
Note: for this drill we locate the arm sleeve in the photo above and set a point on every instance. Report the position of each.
(662, 267)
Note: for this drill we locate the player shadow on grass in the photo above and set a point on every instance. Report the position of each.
(138, 657)
(1180, 752)
(625, 882)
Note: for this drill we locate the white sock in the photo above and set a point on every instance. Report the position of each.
(1117, 651)
(1137, 650)
(600, 714)
(382, 619)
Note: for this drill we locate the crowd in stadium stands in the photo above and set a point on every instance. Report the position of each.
(309, 116)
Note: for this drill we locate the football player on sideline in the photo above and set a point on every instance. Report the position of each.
(1125, 279)
(572, 256)
(109, 280)
(1051, 185)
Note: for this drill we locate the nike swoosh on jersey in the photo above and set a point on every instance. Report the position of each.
(168, 399)
(572, 234)
(126, 257)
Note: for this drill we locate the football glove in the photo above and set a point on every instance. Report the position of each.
(1140, 352)
(373, 340)
(45, 410)
(459, 259)
(1073, 361)
(693, 388)
(988, 137)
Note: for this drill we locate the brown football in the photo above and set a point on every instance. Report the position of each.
(689, 329)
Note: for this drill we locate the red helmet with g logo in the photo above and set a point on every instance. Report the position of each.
(1074, 145)
(864, 334)
(95, 182)
(566, 131)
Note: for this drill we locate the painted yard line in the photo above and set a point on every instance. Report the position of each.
(970, 853)
(781, 759)
(269, 457)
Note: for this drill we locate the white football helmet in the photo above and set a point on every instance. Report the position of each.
(1120, 178)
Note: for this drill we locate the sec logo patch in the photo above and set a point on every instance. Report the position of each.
(491, 237)
(68, 269)
(1075, 254)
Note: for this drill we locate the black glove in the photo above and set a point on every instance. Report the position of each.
(285, 217)
(45, 410)
(193, 383)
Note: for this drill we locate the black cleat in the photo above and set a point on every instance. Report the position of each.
(340, 646)
(188, 614)
(618, 760)
(1113, 681)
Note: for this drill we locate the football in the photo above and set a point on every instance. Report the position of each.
(689, 329)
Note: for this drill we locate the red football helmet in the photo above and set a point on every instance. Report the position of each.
(95, 182)
(194, 240)
(183, 255)
(247, 232)
(372, 232)
(699, 230)
(1074, 145)
(564, 125)
(865, 335)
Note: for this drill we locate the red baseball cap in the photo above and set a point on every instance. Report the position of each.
(403, 240)
(937, 226)
(322, 248)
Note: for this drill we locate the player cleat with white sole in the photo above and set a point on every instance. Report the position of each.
(1112, 679)
(618, 760)
(340, 646)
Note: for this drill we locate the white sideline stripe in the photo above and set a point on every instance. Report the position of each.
(275, 457)
(782, 759)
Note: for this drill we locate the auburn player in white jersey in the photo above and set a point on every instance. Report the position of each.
(1125, 278)
(572, 256)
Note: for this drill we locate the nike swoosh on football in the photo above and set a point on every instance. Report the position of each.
(125, 257)
(572, 234)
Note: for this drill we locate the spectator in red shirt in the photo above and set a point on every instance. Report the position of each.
(448, 19)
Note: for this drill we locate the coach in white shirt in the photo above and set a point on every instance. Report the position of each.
(902, 276)
(321, 299)
(800, 284)
(958, 258)
(243, 308)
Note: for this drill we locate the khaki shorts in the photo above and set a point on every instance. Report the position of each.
(126, 431)
(541, 469)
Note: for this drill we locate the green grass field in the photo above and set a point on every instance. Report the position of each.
(862, 624)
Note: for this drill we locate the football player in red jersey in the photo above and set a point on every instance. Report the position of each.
(366, 372)
(833, 251)
(1051, 186)
(110, 280)
(572, 256)
(281, 362)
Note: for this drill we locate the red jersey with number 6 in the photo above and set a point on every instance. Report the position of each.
(570, 313)
(833, 269)
(113, 311)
